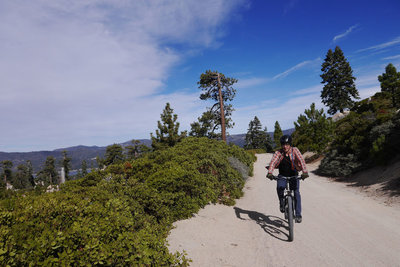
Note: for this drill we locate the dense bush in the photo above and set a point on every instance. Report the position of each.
(368, 136)
(336, 165)
(122, 215)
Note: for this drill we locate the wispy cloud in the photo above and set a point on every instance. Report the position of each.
(306, 91)
(347, 32)
(392, 57)
(296, 67)
(286, 112)
(250, 82)
(93, 72)
(393, 42)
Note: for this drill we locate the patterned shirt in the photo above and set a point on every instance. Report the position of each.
(295, 157)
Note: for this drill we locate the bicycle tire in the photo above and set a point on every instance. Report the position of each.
(290, 218)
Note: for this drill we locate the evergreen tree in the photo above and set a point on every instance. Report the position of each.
(269, 142)
(6, 173)
(114, 155)
(313, 131)
(256, 137)
(339, 87)
(217, 87)
(31, 179)
(390, 82)
(66, 163)
(167, 134)
(21, 179)
(48, 175)
(100, 162)
(277, 135)
(84, 171)
(136, 149)
(206, 126)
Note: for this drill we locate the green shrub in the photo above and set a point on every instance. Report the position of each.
(368, 136)
(335, 165)
(122, 215)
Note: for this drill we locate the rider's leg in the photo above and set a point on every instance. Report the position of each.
(295, 185)
(280, 188)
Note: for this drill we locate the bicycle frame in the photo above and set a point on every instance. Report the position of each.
(288, 192)
(289, 203)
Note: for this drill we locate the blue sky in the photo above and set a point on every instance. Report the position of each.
(97, 72)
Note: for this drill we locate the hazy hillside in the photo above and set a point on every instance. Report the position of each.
(77, 155)
(89, 153)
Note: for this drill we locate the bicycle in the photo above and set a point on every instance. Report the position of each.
(289, 203)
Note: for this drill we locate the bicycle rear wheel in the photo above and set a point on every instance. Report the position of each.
(290, 218)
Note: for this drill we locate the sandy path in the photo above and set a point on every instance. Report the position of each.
(340, 227)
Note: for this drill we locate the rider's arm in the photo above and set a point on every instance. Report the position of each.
(300, 159)
(276, 159)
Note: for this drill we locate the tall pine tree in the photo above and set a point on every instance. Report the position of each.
(277, 135)
(6, 174)
(22, 177)
(390, 82)
(206, 126)
(136, 149)
(66, 164)
(48, 175)
(339, 88)
(84, 170)
(313, 131)
(114, 155)
(167, 134)
(219, 88)
(256, 137)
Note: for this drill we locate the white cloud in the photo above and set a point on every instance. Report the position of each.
(311, 90)
(93, 72)
(368, 85)
(395, 41)
(285, 112)
(347, 32)
(392, 57)
(296, 67)
(246, 83)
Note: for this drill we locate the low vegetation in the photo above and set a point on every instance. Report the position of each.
(368, 136)
(122, 215)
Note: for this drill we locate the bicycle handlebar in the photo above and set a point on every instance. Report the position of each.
(287, 178)
(284, 177)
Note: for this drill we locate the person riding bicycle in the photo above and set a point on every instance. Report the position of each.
(290, 161)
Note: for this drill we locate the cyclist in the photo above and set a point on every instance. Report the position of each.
(290, 161)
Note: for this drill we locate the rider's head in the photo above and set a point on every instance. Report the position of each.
(286, 142)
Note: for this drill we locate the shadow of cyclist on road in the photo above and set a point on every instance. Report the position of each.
(274, 226)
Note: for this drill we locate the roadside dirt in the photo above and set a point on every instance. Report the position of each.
(342, 226)
(381, 183)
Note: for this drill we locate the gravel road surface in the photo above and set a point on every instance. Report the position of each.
(341, 227)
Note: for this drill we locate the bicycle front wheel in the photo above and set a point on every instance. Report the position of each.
(290, 218)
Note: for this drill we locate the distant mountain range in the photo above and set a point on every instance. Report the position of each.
(88, 153)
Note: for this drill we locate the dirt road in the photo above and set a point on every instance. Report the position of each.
(340, 227)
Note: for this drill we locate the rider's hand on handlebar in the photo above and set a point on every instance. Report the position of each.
(270, 176)
(304, 176)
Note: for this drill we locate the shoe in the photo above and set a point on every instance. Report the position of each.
(299, 219)
(282, 205)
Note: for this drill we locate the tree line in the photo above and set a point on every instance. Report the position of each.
(313, 129)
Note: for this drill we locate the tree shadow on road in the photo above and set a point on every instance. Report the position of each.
(272, 225)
